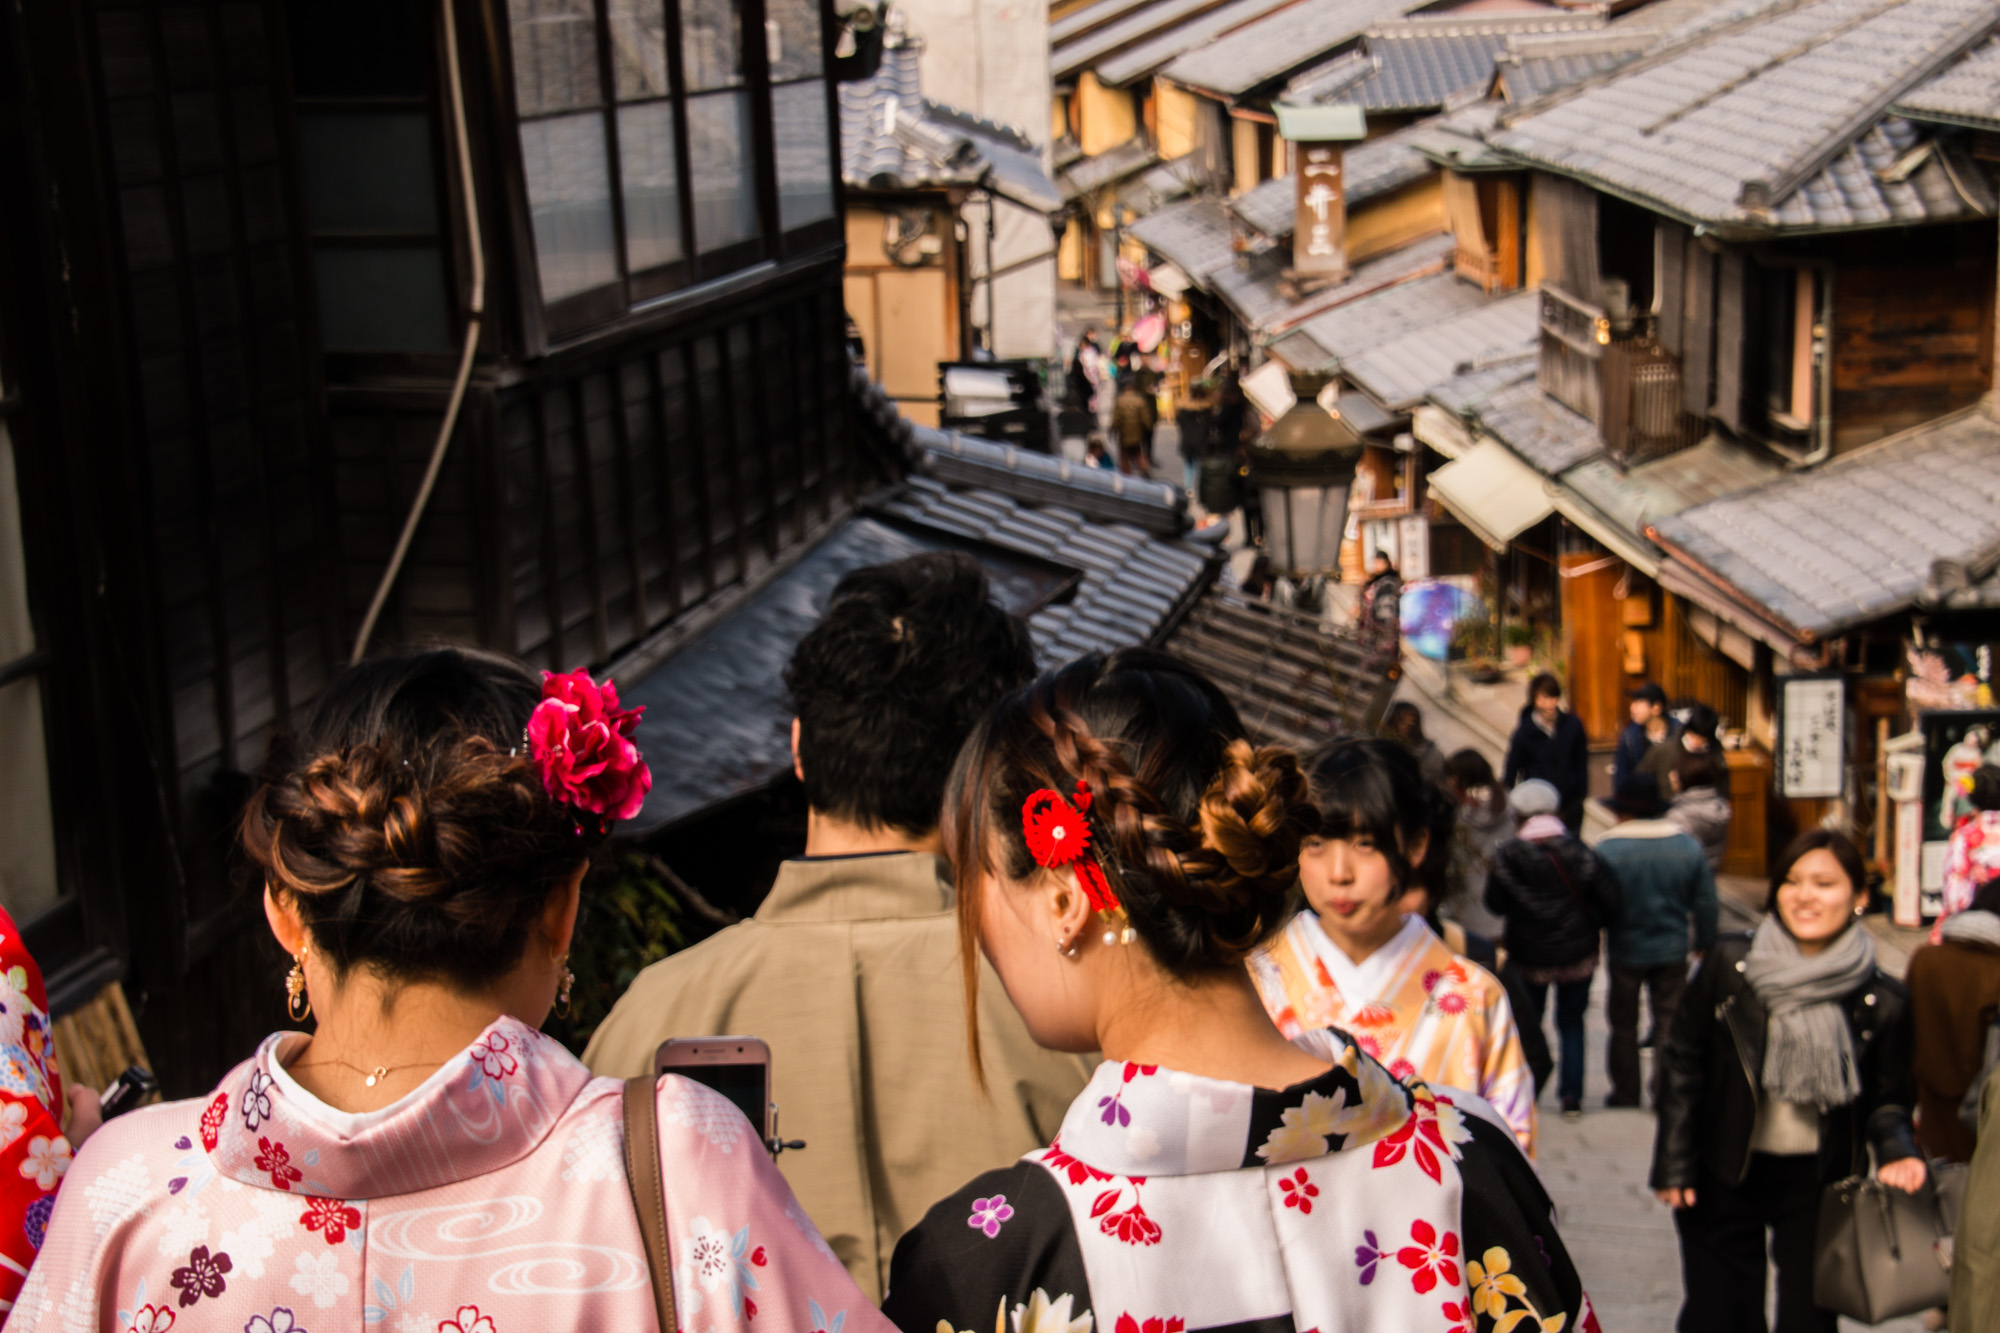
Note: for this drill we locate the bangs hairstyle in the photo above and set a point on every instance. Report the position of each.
(1197, 830)
(1374, 789)
(1813, 840)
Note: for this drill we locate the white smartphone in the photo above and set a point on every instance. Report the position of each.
(737, 1067)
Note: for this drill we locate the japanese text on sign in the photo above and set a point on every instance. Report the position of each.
(1813, 743)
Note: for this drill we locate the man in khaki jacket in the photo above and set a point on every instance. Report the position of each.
(850, 970)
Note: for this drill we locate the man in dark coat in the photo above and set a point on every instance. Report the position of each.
(1549, 744)
(1649, 731)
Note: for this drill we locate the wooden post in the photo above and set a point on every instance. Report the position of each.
(1319, 233)
(1883, 851)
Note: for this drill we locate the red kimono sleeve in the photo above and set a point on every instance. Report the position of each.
(34, 1155)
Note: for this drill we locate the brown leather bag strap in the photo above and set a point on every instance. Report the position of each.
(649, 1190)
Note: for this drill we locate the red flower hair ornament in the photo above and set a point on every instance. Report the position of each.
(1058, 834)
(580, 742)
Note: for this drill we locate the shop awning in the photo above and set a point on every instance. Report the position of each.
(1493, 493)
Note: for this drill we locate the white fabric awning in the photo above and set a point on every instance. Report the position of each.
(1493, 493)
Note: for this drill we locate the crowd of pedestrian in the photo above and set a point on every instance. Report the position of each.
(1092, 1013)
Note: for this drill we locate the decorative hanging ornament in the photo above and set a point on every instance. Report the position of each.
(1058, 834)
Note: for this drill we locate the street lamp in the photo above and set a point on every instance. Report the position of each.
(1303, 468)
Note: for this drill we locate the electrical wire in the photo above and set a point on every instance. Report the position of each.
(476, 312)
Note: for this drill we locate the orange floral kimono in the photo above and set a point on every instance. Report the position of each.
(1413, 1004)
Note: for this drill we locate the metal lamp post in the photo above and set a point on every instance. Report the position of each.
(1303, 468)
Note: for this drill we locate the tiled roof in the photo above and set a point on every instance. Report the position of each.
(1144, 59)
(1823, 551)
(1728, 125)
(1267, 50)
(1399, 372)
(1159, 186)
(1457, 139)
(892, 138)
(1194, 235)
(1092, 50)
(1629, 499)
(1090, 18)
(1352, 329)
(721, 690)
(1421, 63)
(1967, 93)
(1507, 403)
(1134, 585)
(1111, 165)
(1372, 169)
(1533, 69)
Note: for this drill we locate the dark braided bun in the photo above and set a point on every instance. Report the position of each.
(1197, 830)
(407, 825)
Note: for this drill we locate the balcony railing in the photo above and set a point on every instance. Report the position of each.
(1641, 395)
(1477, 263)
(1573, 338)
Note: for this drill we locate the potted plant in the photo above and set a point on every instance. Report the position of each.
(1474, 642)
(1520, 645)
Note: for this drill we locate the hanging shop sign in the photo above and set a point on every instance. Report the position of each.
(1812, 746)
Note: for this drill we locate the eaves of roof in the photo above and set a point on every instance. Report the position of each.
(1371, 169)
(1089, 174)
(1092, 49)
(1725, 126)
(1398, 372)
(1966, 94)
(1854, 540)
(1267, 51)
(1147, 58)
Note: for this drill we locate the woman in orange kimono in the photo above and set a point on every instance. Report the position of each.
(1363, 959)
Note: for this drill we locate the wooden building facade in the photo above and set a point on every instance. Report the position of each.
(248, 250)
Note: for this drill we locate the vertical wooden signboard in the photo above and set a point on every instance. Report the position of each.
(1319, 235)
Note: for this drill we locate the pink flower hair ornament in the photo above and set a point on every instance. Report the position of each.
(580, 741)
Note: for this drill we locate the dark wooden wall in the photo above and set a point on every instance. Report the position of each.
(1912, 328)
(706, 451)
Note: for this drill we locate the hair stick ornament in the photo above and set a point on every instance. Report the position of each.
(1058, 834)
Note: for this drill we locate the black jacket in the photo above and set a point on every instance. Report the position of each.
(1561, 759)
(1712, 1067)
(1555, 894)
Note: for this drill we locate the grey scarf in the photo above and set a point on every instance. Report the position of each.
(1808, 1051)
(1970, 927)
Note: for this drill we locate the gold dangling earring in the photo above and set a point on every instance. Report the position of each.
(562, 987)
(297, 1003)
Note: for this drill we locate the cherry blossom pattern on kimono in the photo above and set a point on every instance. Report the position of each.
(1347, 1201)
(34, 1155)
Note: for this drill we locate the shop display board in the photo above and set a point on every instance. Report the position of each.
(1812, 741)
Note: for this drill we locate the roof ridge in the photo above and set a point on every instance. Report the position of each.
(1446, 25)
(1692, 39)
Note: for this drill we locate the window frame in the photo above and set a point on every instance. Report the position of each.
(631, 292)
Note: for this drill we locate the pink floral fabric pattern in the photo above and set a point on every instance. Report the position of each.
(454, 1211)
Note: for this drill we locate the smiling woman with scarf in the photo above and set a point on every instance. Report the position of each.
(1787, 1063)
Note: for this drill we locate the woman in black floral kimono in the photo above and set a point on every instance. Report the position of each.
(1120, 848)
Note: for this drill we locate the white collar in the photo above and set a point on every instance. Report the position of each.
(1373, 976)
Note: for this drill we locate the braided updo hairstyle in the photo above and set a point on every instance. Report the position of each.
(1196, 829)
(408, 827)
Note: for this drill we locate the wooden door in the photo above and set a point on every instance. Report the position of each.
(1593, 626)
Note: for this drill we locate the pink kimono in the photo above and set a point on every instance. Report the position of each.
(492, 1199)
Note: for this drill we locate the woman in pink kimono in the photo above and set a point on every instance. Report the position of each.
(1364, 959)
(426, 1160)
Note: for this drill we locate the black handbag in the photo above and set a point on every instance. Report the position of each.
(1881, 1253)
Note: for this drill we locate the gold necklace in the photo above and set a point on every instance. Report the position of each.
(370, 1076)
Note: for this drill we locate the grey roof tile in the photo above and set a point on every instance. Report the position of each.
(1746, 121)
(1506, 403)
(1194, 235)
(1090, 18)
(1420, 64)
(1108, 167)
(893, 138)
(1398, 372)
(1373, 168)
(1144, 59)
(1279, 44)
(1967, 93)
(1822, 551)
(1160, 19)
(1351, 330)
